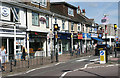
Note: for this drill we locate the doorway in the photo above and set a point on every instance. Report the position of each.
(11, 48)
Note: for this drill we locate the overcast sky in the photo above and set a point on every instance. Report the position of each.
(96, 9)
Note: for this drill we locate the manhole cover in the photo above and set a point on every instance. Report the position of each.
(65, 70)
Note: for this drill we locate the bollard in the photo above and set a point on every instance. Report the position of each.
(56, 56)
(115, 53)
(42, 59)
(15, 62)
(11, 65)
(51, 57)
(28, 62)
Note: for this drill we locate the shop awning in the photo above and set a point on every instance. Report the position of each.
(97, 39)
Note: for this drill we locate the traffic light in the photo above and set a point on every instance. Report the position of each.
(115, 27)
(56, 27)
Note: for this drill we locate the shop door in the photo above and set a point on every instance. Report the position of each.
(11, 48)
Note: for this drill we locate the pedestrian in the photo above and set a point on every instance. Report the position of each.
(2, 57)
(23, 53)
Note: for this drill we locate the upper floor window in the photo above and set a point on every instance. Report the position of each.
(35, 19)
(72, 25)
(55, 20)
(42, 3)
(63, 24)
(47, 22)
(70, 12)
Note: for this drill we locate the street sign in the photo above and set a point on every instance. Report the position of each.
(51, 35)
(102, 57)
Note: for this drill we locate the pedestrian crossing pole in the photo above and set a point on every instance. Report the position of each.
(106, 43)
(56, 28)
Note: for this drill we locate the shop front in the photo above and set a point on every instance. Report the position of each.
(12, 42)
(37, 44)
(87, 42)
(64, 42)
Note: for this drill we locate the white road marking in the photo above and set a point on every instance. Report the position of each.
(64, 74)
(102, 66)
(81, 60)
(95, 59)
(74, 70)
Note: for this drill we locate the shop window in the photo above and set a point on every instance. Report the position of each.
(35, 19)
(47, 22)
(63, 24)
(70, 12)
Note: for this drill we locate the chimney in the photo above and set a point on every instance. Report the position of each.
(83, 12)
(79, 10)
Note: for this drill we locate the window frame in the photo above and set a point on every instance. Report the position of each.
(38, 19)
(46, 22)
(72, 26)
(63, 24)
(55, 20)
(42, 3)
(70, 10)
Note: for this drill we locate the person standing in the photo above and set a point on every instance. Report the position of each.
(23, 53)
(2, 57)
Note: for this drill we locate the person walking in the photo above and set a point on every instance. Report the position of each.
(23, 53)
(2, 57)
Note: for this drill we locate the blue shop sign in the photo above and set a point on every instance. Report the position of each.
(83, 35)
(88, 35)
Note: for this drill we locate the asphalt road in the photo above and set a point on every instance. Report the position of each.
(72, 69)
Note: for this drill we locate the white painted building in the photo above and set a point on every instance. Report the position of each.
(12, 31)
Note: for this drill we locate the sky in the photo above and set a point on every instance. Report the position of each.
(96, 9)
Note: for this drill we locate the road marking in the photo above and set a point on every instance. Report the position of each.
(64, 74)
(102, 66)
(43, 67)
(74, 70)
(95, 59)
(81, 60)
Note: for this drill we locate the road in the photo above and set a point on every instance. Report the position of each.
(74, 68)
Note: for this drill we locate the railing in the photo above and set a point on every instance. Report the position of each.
(37, 59)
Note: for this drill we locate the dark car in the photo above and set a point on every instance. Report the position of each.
(103, 47)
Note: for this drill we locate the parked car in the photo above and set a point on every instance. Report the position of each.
(103, 47)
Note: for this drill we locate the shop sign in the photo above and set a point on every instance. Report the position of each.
(80, 36)
(5, 13)
(94, 35)
(88, 35)
(64, 36)
(83, 35)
